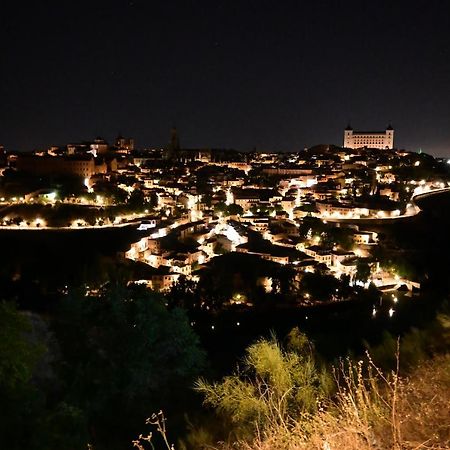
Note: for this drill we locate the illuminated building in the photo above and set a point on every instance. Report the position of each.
(371, 139)
(124, 145)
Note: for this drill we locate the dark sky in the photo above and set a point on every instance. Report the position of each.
(274, 75)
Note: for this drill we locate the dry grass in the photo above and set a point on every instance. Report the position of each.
(372, 412)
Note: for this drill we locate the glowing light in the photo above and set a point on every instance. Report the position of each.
(51, 196)
(232, 235)
(391, 312)
(88, 185)
(39, 222)
(374, 312)
(230, 198)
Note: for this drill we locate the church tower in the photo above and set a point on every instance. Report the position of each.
(348, 134)
(174, 145)
(389, 137)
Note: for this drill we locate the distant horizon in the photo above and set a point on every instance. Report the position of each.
(110, 138)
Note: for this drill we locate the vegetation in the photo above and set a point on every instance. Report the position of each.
(319, 287)
(271, 385)
(18, 355)
(279, 399)
(371, 410)
(98, 366)
(228, 210)
(63, 215)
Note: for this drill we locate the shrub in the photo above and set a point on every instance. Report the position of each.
(270, 388)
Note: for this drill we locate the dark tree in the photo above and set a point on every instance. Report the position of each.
(234, 210)
(125, 355)
(362, 271)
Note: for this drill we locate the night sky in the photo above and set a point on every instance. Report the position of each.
(229, 74)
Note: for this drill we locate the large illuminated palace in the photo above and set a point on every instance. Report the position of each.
(369, 139)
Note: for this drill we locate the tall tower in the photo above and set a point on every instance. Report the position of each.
(174, 140)
(389, 137)
(348, 136)
(174, 145)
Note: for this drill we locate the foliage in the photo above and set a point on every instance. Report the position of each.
(18, 354)
(228, 210)
(416, 346)
(220, 207)
(29, 417)
(343, 237)
(371, 410)
(272, 386)
(64, 214)
(234, 210)
(311, 226)
(239, 272)
(183, 294)
(124, 352)
(137, 200)
(362, 271)
(318, 286)
(64, 426)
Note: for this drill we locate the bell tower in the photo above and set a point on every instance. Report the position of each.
(348, 135)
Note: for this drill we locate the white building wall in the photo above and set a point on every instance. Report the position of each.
(383, 140)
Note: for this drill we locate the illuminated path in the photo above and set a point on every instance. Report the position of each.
(428, 194)
(413, 211)
(88, 227)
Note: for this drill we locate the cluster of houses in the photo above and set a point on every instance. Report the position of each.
(206, 202)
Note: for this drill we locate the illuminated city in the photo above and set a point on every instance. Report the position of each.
(248, 265)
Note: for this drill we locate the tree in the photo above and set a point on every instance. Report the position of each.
(124, 353)
(272, 386)
(362, 271)
(318, 286)
(220, 207)
(137, 200)
(31, 418)
(338, 235)
(18, 355)
(311, 226)
(234, 210)
(183, 294)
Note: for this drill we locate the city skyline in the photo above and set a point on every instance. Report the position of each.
(254, 75)
(224, 224)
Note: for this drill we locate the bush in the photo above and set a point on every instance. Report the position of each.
(272, 386)
(370, 411)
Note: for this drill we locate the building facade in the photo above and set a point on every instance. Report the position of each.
(371, 139)
(79, 166)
